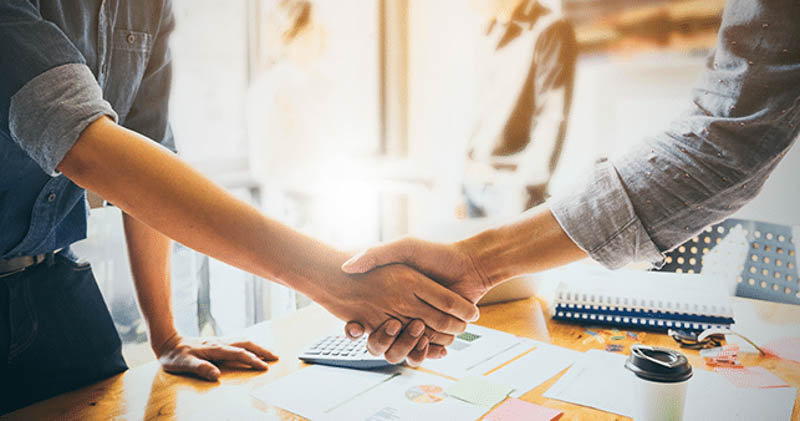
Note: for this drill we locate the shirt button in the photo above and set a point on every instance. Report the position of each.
(51, 197)
(131, 38)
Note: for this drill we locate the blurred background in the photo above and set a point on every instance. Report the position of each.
(354, 121)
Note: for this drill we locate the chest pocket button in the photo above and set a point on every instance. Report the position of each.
(131, 38)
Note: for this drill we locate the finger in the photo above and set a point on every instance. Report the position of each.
(438, 338)
(256, 349)
(230, 353)
(395, 252)
(405, 343)
(417, 355)
(196, 366)
(447, 301)
(354, 330)
(437, 320)
(436, 351)
(383, 337)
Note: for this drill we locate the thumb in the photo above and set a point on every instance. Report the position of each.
(360, 263)
(396, 252)
(366, 261)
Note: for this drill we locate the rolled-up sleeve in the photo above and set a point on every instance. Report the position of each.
(712, 160)
(47, 94)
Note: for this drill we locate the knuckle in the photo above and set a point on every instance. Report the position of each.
(449, 303)
(443, 323)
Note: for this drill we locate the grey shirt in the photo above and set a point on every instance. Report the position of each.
(711, 160)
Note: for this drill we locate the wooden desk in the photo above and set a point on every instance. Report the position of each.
(146, 392)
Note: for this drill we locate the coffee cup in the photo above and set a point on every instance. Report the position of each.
(661, 377)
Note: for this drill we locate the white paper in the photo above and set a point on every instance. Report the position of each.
(711, 397)
(471, 357)
(523, 346)
(316, 390)
(534, 368)
(410, 395)
(600, 380)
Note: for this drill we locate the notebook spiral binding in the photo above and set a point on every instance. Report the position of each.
(639, 313)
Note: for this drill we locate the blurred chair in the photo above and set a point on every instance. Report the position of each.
(767, 270)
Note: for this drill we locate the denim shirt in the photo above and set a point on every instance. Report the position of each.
(64, 64)
(744, 116)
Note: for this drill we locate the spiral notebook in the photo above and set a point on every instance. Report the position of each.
(643, 300)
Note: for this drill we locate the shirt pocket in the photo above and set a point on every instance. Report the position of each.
(130, 54)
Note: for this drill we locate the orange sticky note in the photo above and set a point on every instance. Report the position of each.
(518, 410)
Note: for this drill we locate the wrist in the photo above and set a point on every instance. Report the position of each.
(164, 340)
(484, 253)
(321, 279)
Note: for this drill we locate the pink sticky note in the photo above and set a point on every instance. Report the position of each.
(786, 348)
(518, 410)
(751, 377)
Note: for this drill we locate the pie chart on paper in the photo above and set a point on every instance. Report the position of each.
(425, 394)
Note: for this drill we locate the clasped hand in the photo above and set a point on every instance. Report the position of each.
(451, 265)
(391, 297)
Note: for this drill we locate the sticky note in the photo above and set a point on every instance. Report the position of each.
(479, 391)
(727, 351)
(751, 377)
(519, 410)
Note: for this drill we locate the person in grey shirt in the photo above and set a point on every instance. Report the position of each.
(709, 162)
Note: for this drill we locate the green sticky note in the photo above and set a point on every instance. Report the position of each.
(479, 391)
(469, 337)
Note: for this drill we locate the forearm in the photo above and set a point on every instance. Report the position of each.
(161, 191)
(533, 243)
(149, 255)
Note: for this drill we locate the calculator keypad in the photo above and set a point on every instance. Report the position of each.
(340, 347)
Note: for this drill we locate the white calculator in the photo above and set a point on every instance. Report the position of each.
(341, 351)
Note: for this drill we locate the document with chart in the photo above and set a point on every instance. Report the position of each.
(478, 350)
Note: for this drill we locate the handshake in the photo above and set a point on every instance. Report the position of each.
(411, 296)
(415, 296)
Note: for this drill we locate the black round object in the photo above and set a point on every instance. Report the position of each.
(658, 364)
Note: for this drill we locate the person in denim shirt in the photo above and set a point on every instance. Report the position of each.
(714, 158)
(84, 93)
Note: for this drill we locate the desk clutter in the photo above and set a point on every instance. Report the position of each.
(487, 371)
